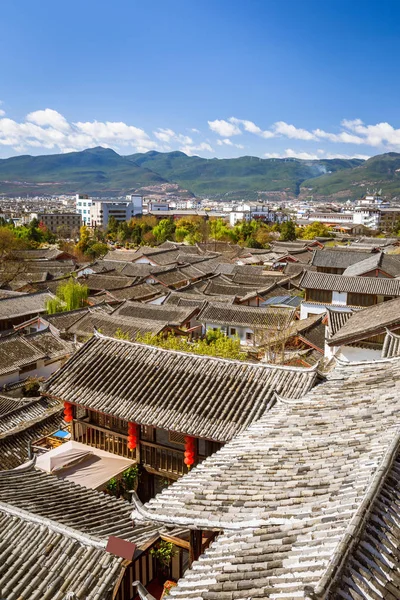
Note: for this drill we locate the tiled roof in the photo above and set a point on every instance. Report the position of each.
(110, 324)
(139, 291)
(24, 304)
(16, 352)
(341, 259)
(337, 318)
(105, 282)
(63, 320)
(391, 345)
(70, 505)
(368, 322)
(196, 395)
(14, 443)
(379, 260)
(39, 561)
(22, 410)
(243, 316)
(51, 346)
(359, 285)
(173, 315)
(292, 494)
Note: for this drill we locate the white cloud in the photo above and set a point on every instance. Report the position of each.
(228, 142)
(2, 112)
(194, 130)
(223, 128)
(190, 150)
(320, 154)
(167, 136)
(252, 127)
(48, 118)
(293, 132)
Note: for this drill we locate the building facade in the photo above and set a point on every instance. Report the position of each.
(66, 223)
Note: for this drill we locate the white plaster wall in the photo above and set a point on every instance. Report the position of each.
(307, 309)
(339, 298)
(353, 354)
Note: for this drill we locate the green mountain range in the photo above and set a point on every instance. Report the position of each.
(103, 172)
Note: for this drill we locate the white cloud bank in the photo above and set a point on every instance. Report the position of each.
(382, 135)
(50, 130)
(318, 155)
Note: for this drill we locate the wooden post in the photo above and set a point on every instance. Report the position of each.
(195, 545)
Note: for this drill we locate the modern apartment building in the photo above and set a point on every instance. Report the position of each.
(121, 210)
(83, 204)
(66, 223)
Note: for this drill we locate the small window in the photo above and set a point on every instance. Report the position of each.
(249, 336)
(176, 438)
(233, 331)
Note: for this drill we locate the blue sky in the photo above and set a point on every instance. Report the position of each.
(305, 78)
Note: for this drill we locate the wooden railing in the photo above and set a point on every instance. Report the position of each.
(155, 458)
(104, 439)
(161, 459)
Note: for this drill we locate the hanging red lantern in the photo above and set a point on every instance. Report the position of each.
(68, 412)
(131, 445)
(133, 434)
(190, 451)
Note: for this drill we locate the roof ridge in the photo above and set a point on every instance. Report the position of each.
(202, 356)
(66, 530)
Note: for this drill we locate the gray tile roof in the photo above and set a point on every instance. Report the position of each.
(52, 346)
(14, 442)
(368, 322)
(106, 281)
(71, 505)
(292, 494)
(391, 345)
(196, 395)
(25, 304)
(173, 315)
(358, 285)
(23, 410)
(109, 324)
(63, 320)
(379, 260)
(16, 352)
(337, 318)
(139, 291)
(38, 561)
(243, 316)
(334, 258)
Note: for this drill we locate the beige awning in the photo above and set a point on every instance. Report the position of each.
(86, 466)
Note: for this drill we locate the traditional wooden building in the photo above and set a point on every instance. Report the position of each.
(166, 401)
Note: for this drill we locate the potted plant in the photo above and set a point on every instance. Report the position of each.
(163, 552)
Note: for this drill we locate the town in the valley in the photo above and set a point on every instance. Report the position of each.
(199, 399)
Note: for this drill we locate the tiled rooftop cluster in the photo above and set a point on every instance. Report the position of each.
(297, 494)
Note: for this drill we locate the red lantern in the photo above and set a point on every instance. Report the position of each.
(131, 445)
(189, 454)
(131, 427)
(68, 418)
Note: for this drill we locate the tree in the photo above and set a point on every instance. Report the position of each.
(164, 230)
(69, 296)
(314, 230)
(215, 343)
(97, 249)
(288, 231)
(84, 238)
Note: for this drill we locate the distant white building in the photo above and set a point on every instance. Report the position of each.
(122, 210)
(83, 205)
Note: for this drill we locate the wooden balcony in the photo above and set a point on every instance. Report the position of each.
(162, 460)
(104, 439)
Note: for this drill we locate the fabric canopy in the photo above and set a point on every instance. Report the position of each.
(86, 466)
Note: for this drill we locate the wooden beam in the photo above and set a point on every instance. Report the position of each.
(176, 541)
(195, 545)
